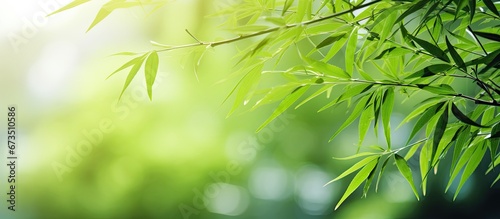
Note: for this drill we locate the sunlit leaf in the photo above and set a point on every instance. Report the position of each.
(361, 176)
(69, 6)
(350, 50)
(150, 71)
(355, 167)
(360, 106)
(285, 104)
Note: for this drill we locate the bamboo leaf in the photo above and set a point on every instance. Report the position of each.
(285, 104)
(474, 161)
(461, 143)
(464, 158)
(69, 6)
(489, 4)
(380, 173)
(415, 7)
(286, 6)
(426, 116)
(462, 117)
(361, 176)
(150, 71)
(439, 130)
(350, 50)
(331, 39)
(424, 165)
(128, 64)
(490, 36)
(454, 54)
(362, 154)
(131, 75)
(355, 167)
(405, 170)
(431, 48)
(387, 105)
(355, 113)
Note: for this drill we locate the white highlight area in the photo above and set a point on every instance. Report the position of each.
(228, 199)
(48, 76)
(311, 196)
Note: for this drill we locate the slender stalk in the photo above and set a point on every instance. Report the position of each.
(270, 30)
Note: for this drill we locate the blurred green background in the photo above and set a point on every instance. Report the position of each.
(84, 154)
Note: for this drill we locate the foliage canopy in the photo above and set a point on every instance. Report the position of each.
(368, 54)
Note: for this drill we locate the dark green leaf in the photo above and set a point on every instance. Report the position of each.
(440, 129)
(462, 117)
(472, 9)
(489, 4)
(455, 56)
(490, 36)
(428, 114)
(431, 48)
(430, 71)
(442, 89)
(331, 39)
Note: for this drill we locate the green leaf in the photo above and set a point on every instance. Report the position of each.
(405, 170)
(362, 154)
(351, 91)
(364, 124)
(361, 176)
(472, 10)
(461, 142)
(380, 173)
(412, 151)
(331, 39)
(456, 57)
(285, 104)
(415, 7)
(286, 6)
(323, 89)
(489, 4)
(150, 71)
(462, 117)
(355, 167)
(490, 36)
(128, 64)
(69, 6)
(430, 71)
(490, 65)
(251, 78)
(496, 180)
(131, 75)
(424, 165)
(439, 130)
(474, 161)
(441, 89)
(387, 105)
(350, 51)
(464, 158)
(428, 114)
(362, 103)
(431, 48)
(368, 181)
(422, 106)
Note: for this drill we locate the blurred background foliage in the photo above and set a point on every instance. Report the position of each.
(159, 157)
